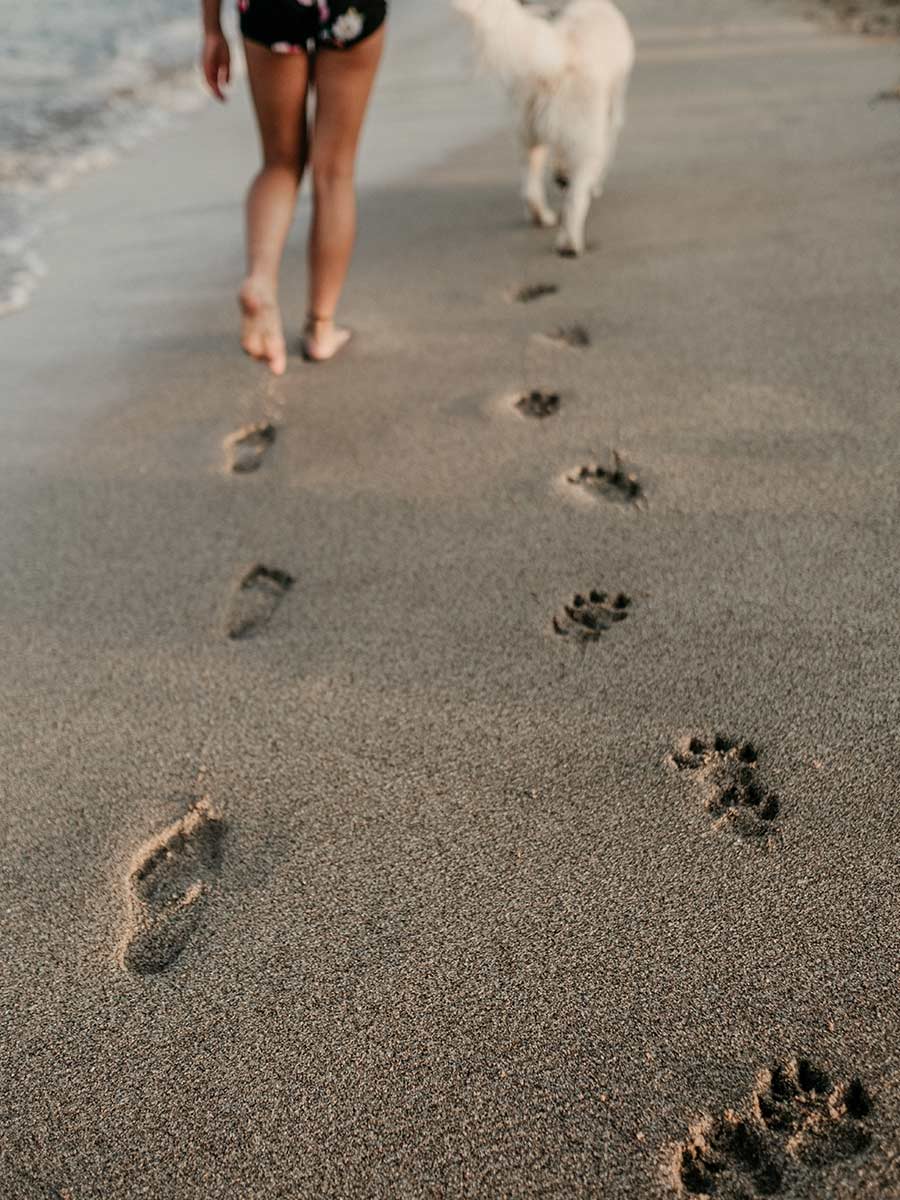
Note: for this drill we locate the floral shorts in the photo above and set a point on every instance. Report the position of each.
(296, 26)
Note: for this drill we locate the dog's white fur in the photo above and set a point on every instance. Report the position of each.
(569, 76)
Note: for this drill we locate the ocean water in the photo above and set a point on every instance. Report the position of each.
(79, 86)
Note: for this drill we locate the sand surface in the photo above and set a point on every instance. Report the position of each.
(430, 881)
(864, 16)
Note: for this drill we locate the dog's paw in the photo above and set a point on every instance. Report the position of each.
(568, 245)
(566, 248)
(543, 218)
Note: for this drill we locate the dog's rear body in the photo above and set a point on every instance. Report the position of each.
(569, 76)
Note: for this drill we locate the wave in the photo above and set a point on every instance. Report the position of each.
(61, 117)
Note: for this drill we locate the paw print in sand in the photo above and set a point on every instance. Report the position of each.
(821, 1122)
(796, 1123)
(614, 482)
(589, 616)
(538, 405)
(727, 1156)
(728, 774)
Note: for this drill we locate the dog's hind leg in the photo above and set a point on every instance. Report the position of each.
(616, 121)
(534, 190)
(585, 178)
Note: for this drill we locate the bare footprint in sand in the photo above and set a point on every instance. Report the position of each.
(258, 593)
(168, 887)
(247, 447)
(262, 335)
(575, 337)
(530, 292)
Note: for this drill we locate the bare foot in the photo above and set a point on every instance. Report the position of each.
(262, 336)
(323, 339)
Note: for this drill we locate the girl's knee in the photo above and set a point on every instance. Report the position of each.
(331, 174)
(289, 163)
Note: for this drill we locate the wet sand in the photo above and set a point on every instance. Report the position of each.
(352, 846)
(862, 16)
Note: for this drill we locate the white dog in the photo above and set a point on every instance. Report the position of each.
(569, 74)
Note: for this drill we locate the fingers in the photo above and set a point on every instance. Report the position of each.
(219, 80)
(211, 75)
(224, 74)
(217, 69)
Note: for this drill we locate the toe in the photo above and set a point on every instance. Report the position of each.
(251, 343)
(276, 354)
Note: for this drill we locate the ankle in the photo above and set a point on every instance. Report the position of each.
(262, 285)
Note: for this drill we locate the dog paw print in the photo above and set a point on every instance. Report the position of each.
(538, 404)
(796, 1122)
(820, 1121)
(727, 1157)
(589, 616)
(613, 482)
(728, 773)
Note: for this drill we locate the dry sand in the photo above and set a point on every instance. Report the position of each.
(401, 893)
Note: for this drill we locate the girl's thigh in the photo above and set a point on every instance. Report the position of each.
(343, 80)
(278, 86)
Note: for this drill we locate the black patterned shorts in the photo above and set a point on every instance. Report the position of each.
(296, 26)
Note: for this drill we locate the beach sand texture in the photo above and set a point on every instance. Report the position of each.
(410, 813)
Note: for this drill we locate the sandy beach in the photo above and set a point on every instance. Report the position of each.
(537, 832)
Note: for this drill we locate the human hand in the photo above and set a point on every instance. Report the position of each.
(216, 63)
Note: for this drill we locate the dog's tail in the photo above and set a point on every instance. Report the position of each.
(514, 43)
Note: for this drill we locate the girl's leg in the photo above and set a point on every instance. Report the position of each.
(278, 85)
(343, 81)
